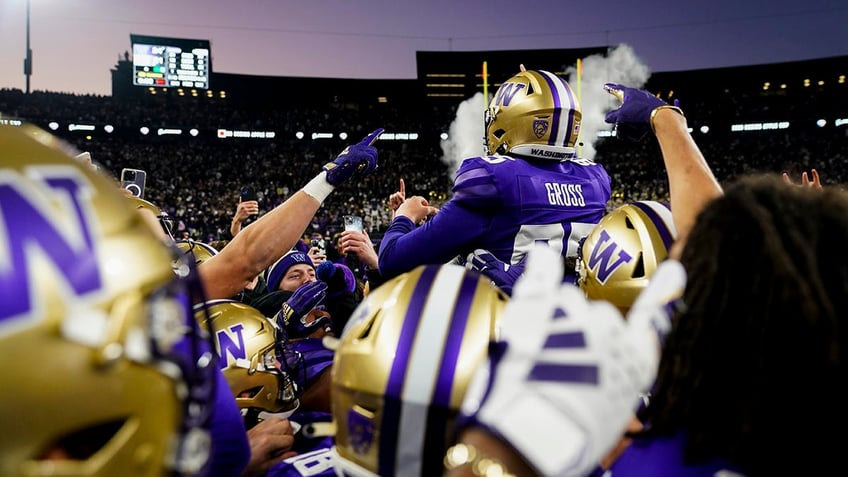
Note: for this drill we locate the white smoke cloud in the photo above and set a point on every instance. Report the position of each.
(465, 136)
(619, 65)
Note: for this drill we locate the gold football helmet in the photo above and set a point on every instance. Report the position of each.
(110, 377)
(402, 367)
(201, 251)
(618, 257)
(162, 217)
(535, 113)
(254, 359)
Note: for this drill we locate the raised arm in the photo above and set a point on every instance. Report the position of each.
(269, 238)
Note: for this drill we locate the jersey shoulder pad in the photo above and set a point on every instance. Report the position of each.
(476, 181)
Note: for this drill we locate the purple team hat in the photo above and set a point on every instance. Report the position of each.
(275, 273)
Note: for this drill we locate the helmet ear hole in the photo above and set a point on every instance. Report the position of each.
(639, 268)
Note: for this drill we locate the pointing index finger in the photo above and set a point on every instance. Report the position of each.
(371, 138)
(615, 90)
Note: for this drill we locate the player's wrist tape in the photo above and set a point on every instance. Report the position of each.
(318, 187)
(667, 106)
(481, 465)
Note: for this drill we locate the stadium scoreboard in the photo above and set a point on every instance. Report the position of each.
(170, 62)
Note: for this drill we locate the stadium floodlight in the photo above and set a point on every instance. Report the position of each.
(444, 136)
(109, 128)
(53, 125)
(144, 130)
(299, 134)
(194, 132)
(343, 136)
(821, 123)
(705, 129)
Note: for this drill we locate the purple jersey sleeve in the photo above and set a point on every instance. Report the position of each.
(505, 205)
(230, 447)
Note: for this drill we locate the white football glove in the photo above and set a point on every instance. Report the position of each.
(563, 382)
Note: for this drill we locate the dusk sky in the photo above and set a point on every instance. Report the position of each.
(76, 42)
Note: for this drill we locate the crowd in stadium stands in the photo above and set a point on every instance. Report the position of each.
(197, 181)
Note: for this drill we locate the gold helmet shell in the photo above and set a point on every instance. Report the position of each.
(403, 365)
(90, 322)
(151, 209)
(252, 357)
(535, 113)
(201, 251)
(623, 250)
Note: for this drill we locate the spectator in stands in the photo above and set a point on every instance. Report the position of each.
(244, 210)
(531, 188)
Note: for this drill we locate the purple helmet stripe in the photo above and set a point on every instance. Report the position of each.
(666, 234)
(390, 422)
(450, 356)
(557, 106)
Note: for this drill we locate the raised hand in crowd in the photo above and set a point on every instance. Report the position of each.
(416, 209)
(397, 198)
(806, 181)
(359, 244)
(260, 245)
(244, 211)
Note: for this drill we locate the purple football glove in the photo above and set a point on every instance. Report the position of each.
(302, 301)
(502, 274)
(357, 160)
(636, 113)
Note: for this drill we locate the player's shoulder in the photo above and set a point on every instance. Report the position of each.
(477, 178)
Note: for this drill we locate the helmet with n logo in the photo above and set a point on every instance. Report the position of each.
(108, 372)
(617, 258)
(534, 113)
(403, 365)
(254, 357)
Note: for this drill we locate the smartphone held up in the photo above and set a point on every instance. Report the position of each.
(133, 180)
(353, 222)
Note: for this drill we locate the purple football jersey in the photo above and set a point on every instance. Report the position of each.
(313, 457)
(505, 205)
(663, 457)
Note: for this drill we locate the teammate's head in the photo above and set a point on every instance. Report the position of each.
(536, 114)
(111, 377)
(765, 308)
(403, 365)
(618, 257)
(254, 358)
(290, 272)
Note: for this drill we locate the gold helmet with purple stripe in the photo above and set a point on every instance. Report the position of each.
(535, 113)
